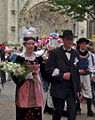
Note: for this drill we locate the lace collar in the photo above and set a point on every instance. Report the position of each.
(37, 54)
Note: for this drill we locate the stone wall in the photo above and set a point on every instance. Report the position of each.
(31, 13)
(37, 15)
(12, 23)
(82, 29)
(2, 21)
(9, 21)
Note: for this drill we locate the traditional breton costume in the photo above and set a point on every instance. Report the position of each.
(87, 65)
(29, 95)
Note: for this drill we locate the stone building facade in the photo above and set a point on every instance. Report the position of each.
(86, 29)
(17, 13)
(36, 14)
(9, 21)
(3, 20)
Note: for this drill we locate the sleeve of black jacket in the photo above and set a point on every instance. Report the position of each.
(50, 66)
(78, 78)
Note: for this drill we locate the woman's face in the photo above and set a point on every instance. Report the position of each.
(30, 44)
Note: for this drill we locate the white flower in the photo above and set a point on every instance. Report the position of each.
(12, 68)
(76, 61)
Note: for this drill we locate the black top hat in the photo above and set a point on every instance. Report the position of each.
(83, 40)
(67, 33)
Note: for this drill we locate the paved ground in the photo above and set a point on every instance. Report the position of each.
(7, 106)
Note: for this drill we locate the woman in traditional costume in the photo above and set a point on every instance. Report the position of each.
(29, 95)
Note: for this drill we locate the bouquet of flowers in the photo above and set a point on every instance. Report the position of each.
(16, 69)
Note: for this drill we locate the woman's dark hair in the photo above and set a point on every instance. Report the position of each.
(28, 38)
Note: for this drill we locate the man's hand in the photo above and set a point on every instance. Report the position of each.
(80, 95)
(91, 78)
(82, 71)
(67, 76)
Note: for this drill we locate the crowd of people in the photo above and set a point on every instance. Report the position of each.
(63, 69)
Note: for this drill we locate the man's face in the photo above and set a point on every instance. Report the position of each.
(68, 42)
(83, 45)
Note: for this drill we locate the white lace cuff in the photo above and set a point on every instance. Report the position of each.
(55, 72)
(29, 76)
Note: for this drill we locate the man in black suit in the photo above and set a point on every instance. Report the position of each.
(62, 69)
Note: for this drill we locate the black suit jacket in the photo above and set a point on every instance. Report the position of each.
(59, 86)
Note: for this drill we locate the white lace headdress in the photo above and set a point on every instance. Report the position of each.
(24, 32)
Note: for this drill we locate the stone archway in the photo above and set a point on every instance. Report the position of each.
(45, 21)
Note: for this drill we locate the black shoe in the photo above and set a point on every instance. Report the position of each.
(78, 112)
(48, 110)
(91, 114)
(65, 114)
(0, 91)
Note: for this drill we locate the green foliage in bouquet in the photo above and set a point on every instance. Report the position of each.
(16, 70)
(27, 71)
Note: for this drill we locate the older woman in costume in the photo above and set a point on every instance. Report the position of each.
(29, 96)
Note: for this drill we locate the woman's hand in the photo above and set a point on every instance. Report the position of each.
(80, 95)
(1, 66)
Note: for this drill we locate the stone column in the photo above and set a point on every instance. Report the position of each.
(82, 32)
(2, 21)
(12, 22)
